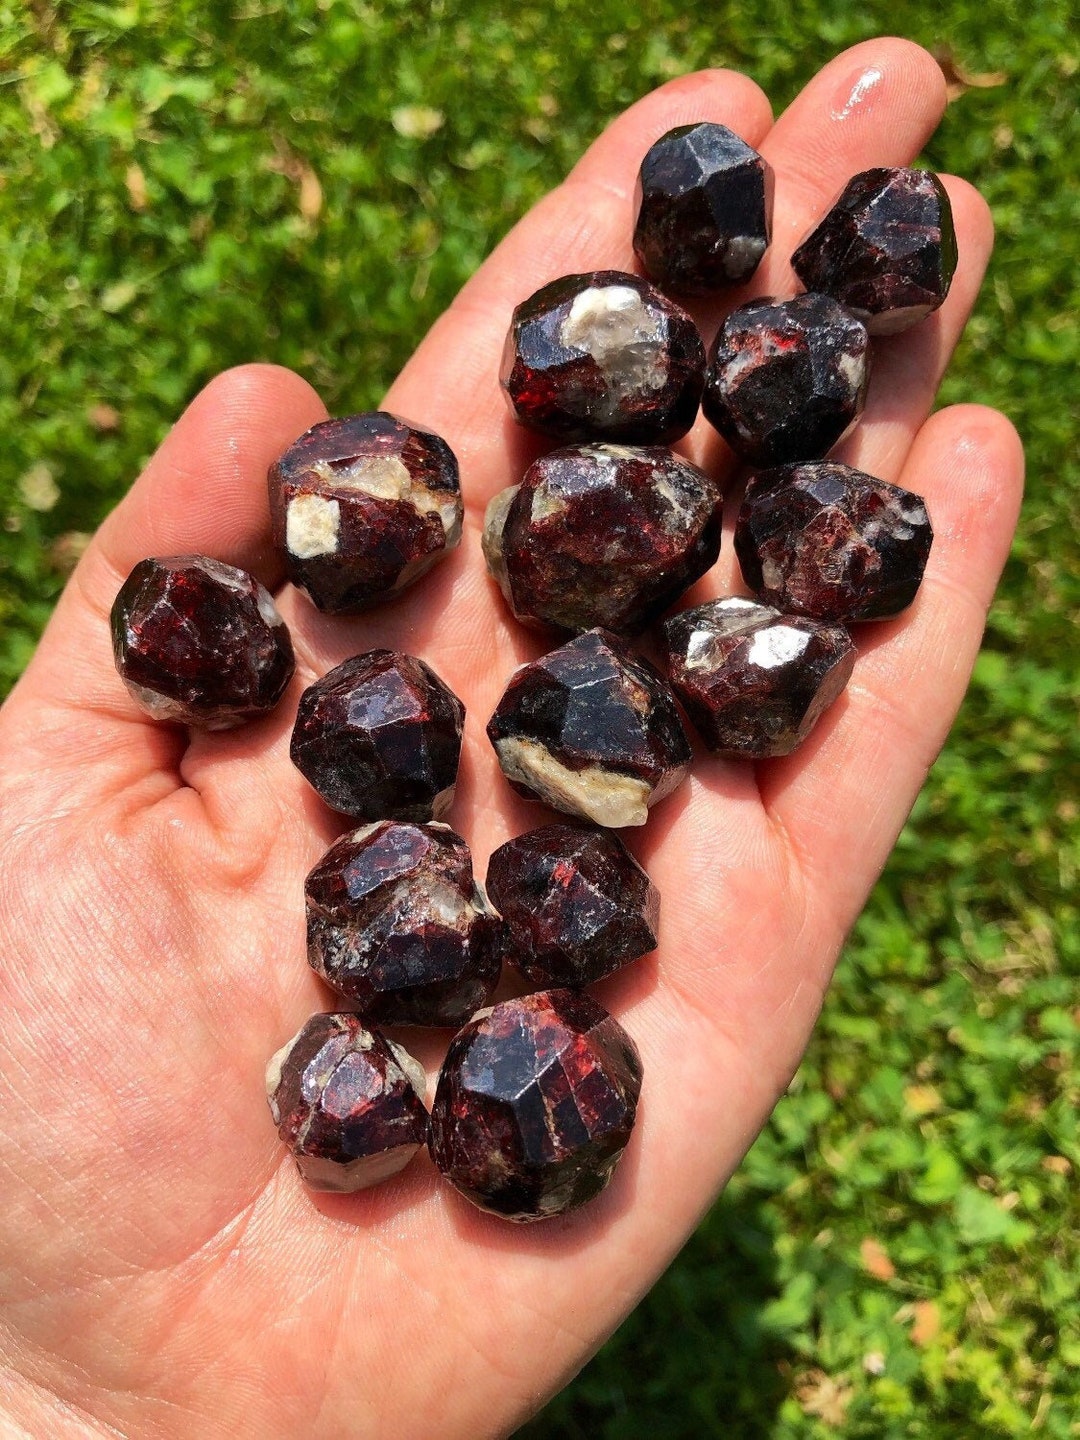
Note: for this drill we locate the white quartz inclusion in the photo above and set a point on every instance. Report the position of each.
(387, 477)
(311, 526)
(852, 368)
(777, 645)
(614, 325)
(603, 796)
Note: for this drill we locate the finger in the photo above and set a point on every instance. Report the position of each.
(204, 491)
(841, 801)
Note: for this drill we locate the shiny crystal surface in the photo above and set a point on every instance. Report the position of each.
(602, 535)
(535, 1104)
(704, 209)
(886, 250)
(576, 903)
(592, 730)
(347, 1102)
(396, 924)
(199, 642)
(753, 681)
(825, 540)
(787, 379)
(379, 737)
(362, 506)
(603, 356)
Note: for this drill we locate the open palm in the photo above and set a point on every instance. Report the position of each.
(164, 1271)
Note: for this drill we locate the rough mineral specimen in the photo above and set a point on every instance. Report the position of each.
(592, 730)
(200, 642)
(603, 356)
(396, 924)
(363, 506)
(602, 535)
(347, 1102)
(379, 737)
(787, 379)
(576, 903)
(704, 209)
(825, 540)
(753, 681)
(535, 1104)
(886, 249)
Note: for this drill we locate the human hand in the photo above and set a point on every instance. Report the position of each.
(164, 1271)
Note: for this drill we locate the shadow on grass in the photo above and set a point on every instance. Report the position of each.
(695, 1357)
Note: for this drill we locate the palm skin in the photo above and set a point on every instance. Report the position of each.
(164, 1271)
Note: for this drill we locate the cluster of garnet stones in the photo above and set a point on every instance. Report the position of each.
(536, 1099)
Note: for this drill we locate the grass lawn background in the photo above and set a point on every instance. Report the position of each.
(186, 186)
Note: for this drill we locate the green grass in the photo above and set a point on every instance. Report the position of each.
(153, 233)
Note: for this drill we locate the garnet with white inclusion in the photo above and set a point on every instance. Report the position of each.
(602, 535)
(825, 540)
(362, 506)
(199, 642)
(753, 681)
(591, 729)
(397, 924)
(886, 250)
(347, 1102)
(576, 903)
(603, 356)
(535, 1104)
(787, 379)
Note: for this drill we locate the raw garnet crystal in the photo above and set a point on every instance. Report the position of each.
(886, 249)
(602, 535)
(363, 506)
(603, 356)
(825, 540)
(379, 737)
(787, 379)
(754, 681)
(396, 924)
(347, 1102)
(704, 213)
(576, 903)
(535, 1104)
(199, 642)
(592, 730)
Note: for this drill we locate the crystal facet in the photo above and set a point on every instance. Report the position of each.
(363, 506)
(577, 905)
(825, 540)
(704, 209)
(602, 535)
(592, 730)
(603, 356)
(754, 681)
(379, 737)
(347, 1102)
(886, 249)
(535, 1104)
(787, 379)
(396, 924)
(199, 642)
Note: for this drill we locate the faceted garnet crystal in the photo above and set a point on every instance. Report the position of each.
(379, 737)
(347, 1102)
(754, 681)
(602, 535)
(363, 506)
(592, 730)
(396, 924)
(576, 903)
(886, 249)
(200, 642)
(787, 379)
(603, 356)
(535, 1104)
(825, 540)
(704, 213)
